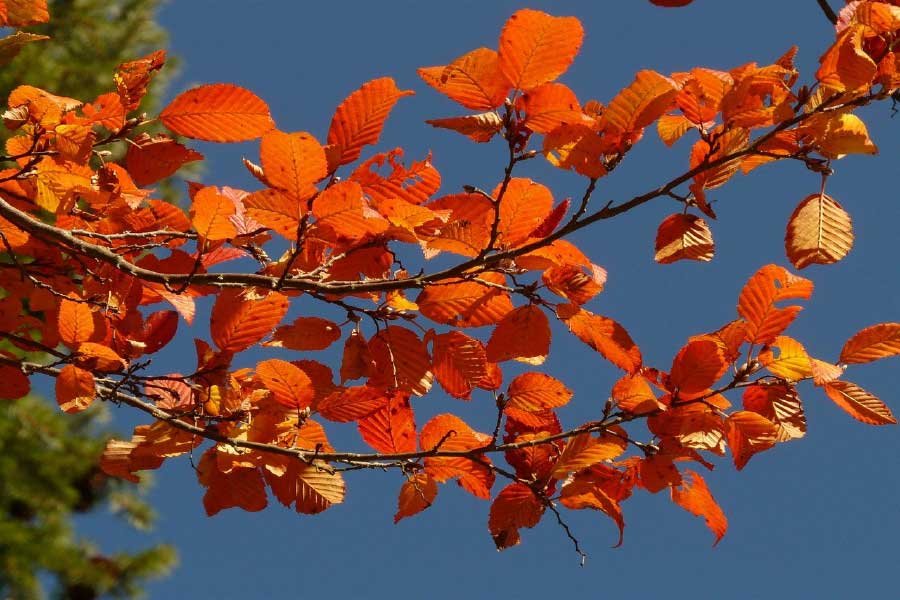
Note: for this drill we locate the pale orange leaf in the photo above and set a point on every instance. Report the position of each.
(683, 236)
(872, 343)
(819, 232)
(860, 404)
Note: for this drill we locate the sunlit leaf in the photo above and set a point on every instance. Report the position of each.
(219, 112)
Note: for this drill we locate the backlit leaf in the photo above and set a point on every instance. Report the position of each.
(523, 335)
(603, 335)
(585, 450)
(74, 389)
(349, 404)
(359, 119)
(534, 392)
(76, 322)
(749, 433)
(288, 383)
(792, 362)
(779, 403)
(416, 494)
(474, 80)
(758, 297)
(211, 215)
(697, 367)
(819, 232)
(466, 303)
(292, 162)
(872, 343)
(846, 66)
(524, 206)
(515, 507)
(401, 360)
(219, 112)
(550, 105)
(479, 128)
(536, 47)
(460, 363)
(683, 236)
(306, 333)
(575, 147)
(150, 159)
(241, 319)
(648, 97)
(392, 427)
(860, 404)
(693, 496)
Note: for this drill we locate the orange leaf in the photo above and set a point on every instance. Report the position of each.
(516, 506)
(859, 404)
(550, 105)
(133, 77)
(416, 494)
(523, 335)
(74, 389)
(460, 363)
(359, 119)
(210, 215)
(633, 394)
(819, 232)
(312, 488)
(585, 450)
(846, 66)
(671, 127)
(534, 392)
(536, 48)
(344, 215)
(872, 343)
(240, 318)
(682, 236)
(575, 147)
(792, 363)
(401, 361)
(694, 497)
(523, 207)
(479, 128)
(275, 210)
(392, 427)
(97, 357)
(238, 488)
(474, 80)
(573, 284)
(603, 335)
(306, 333)
(449, 432)
(15, 383)
(76, 322)
(758, 297)
(292, 162)
(584, 493)
(220, 112)
(150, 159)
(696, 368)
(350, 404)
(288, 383)
(357, 360)
(19, 13)
(779, 403)
(748, 434)
(648, 97)
(466, 303)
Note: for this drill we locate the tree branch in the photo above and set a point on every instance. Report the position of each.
(829, 12)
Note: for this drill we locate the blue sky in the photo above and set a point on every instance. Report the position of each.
(812, 518)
